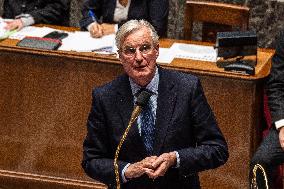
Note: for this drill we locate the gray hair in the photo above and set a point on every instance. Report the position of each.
(134, 25)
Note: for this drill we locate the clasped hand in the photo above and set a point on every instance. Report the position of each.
(153, 166)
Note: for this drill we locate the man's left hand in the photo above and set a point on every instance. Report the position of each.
(281, 137)
(162, 164)
(15, 24)
(107, 28)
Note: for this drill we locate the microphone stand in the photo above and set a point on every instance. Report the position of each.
(142, 100)
(253, 180)
(134, 116)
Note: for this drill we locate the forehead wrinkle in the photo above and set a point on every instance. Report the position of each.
(141, 37)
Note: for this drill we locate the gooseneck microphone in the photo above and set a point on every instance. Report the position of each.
(141, 102)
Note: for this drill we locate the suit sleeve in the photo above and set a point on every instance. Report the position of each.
(97, 157)
(6, 10)
(211, 148)
(91, 12)
(275, 83)
(158, 13)
(52, 12)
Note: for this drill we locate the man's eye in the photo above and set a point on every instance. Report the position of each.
(130, 50)
(144, 48)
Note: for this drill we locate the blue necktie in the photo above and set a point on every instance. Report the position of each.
(147, 127)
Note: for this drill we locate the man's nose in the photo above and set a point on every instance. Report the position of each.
(138, 56)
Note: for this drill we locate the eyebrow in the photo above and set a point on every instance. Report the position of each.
(146, 43)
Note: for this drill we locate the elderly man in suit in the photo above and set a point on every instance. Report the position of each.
(165, 149)
(29, 12)
(270, 154)
(100, 17)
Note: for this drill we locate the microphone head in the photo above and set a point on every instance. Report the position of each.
(143, 98)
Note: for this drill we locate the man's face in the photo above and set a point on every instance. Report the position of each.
(138, 56)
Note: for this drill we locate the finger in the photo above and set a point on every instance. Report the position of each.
(16, 24)
(19, 26)
(158, 162)
(147, 165)
(161, 170)
(95, 31)
(151, 158)
(146, 170)
(150, 173)
(134, 171)
(10, 26)
(100, 30)
(148, 161)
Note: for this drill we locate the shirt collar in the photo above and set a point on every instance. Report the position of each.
(152, 86)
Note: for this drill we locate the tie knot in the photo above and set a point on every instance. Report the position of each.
(141, 90)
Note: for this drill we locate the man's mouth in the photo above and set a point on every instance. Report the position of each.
(140, 67)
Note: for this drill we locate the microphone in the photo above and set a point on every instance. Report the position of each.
(141, 102)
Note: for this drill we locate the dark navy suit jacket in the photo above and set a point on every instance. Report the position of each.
(184, 123)
(275, 84)
(55, 12)
(154, 11)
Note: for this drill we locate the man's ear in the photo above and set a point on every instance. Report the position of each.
(157, 47)
(157, 50)
(119, 55)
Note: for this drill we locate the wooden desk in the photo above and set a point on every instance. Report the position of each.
(46, 97)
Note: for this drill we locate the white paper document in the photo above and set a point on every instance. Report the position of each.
(194, 52)
(165, 56)
(4, 33)
(31, 31)
(81, 41)
(2, 26)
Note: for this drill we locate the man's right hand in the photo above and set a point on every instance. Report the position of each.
(96, 30)
(137, 169)
(281, 137)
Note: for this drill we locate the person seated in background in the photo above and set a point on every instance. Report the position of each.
(270, 153)
(100, 17)
(28, 12)
(176, 134)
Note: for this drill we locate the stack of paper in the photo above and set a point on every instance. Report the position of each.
(194, 52)
(31, 31)
(187, 51)
(82, 42)
(165, 56)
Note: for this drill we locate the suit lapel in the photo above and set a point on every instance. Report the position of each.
(125, 107)
(166, 103)
(124, 100)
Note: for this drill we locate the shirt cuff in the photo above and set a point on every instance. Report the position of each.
(90, 25)
(26, 19)
(178, 160)
(124, 180)
(279, 124)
